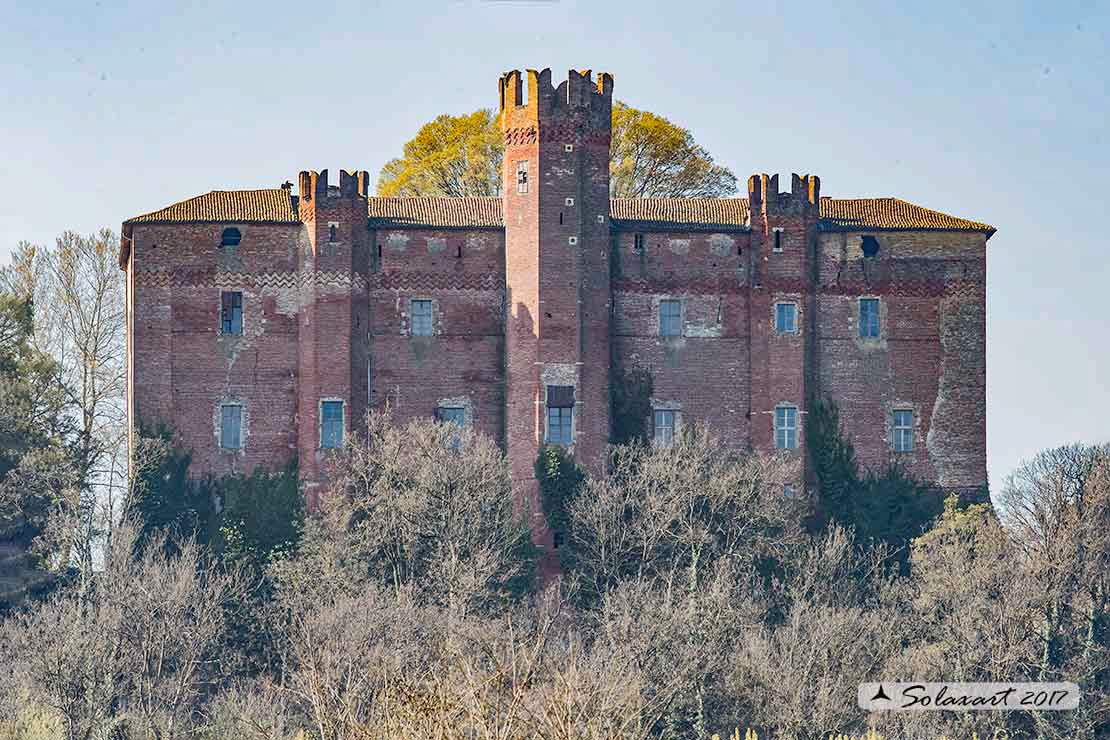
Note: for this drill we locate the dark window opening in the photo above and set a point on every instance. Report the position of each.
(778, 241)
(333, 233)
(458, 252)
(560, 414)
(870, 246)
(638, 242)
(558, 539)
(230, 238)
(231, 312)
(379, 251)
(560, 218)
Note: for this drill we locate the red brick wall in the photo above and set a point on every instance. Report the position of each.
(705, 373)
(931, 357)
(463, 273)
(183, 368)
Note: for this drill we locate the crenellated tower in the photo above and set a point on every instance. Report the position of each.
(556, 210)
(333, 314)
(783, 253)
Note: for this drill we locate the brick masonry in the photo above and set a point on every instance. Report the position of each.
(560, 294)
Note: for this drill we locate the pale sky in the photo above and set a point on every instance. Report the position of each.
(996, 114)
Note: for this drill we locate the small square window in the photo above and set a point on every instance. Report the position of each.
(664, 427)
(786, 427)
(902, 437)
(421, 315)
(600, 218)
(670, 318)
(786, 318)
(569, 147)
(522, 176)
(231, 426)
(331, 424)
(869, 324)
(572, 240)
(778, 240)
(570, 201)
(231, 312)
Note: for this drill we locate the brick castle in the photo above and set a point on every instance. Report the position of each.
(263, 324)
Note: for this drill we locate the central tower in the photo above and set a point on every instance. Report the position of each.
(555, 181)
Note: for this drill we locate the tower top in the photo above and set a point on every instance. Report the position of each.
(579, 97)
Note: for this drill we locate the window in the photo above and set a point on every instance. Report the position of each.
(786, 427)
(333, 232)
(421, 318)
(786, 318)
(453, 414)
(869, 318)
(568, 147)
(902, 438)
(570, 201)
(560, 414)
(230, 237)
(231, 425)
(231, 312)
(331, 424)
(664, 427)
(638, 242)
(522, 176)
(572, 240)
(778, 240)
(870, 246)
(670, 318)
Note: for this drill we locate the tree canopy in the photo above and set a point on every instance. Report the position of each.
(649, 157)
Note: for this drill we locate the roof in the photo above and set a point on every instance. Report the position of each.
(837, 214)
(442, 212)
(690, 212)
(891, 214)
(227, 206)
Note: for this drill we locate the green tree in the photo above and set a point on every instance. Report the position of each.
(452, 155)
(883, 508)
(650, 157)
(38, 472)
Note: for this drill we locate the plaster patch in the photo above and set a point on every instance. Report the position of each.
(397, 241)
(721, 244)
(679, 246)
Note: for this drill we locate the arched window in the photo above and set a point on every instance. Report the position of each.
(230, 237)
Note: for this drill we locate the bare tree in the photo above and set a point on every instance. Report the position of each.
(140, 649)
(672, 512)
(78, 293)
(427, 508)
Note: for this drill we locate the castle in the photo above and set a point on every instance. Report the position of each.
(263, 324)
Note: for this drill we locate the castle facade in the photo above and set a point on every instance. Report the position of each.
(264, 324)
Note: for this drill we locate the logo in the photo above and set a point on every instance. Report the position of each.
(891, 696)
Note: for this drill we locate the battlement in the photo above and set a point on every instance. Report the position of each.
(764, 195)
(312, 185)
(578, 97)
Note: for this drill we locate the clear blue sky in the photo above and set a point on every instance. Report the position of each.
(998, 114)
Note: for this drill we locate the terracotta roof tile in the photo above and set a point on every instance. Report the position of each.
(274, 206)
(857, 214)
(444, 212)
(232, 206)
(688, 212)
